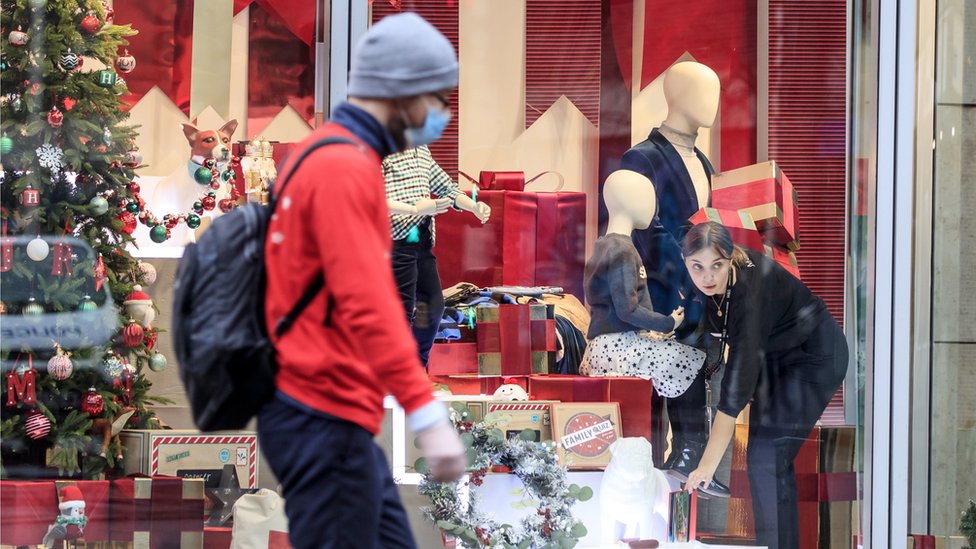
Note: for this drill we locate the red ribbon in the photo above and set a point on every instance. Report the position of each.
(561, 230)
(759, 193)
(21, 390)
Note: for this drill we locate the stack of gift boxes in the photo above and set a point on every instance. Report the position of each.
(151, 512)
(758, 205)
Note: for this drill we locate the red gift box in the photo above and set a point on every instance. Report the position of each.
(763, 191)
(740, 226)
(217, 537)
(516, 340)
(785, 258)
(508, 181)
(632, 393)
(453, 359)
(158, 511)
(825, 480)
(532, 239)
(477, 385)
(30, 507)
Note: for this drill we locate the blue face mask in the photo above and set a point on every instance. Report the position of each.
(434, 124)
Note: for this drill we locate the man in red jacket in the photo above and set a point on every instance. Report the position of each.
(352, 345)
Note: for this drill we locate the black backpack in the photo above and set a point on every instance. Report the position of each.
(226, 359)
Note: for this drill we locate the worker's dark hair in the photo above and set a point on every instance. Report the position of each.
(713, 235)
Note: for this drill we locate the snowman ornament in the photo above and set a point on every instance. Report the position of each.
(70, 524)
(139, 307)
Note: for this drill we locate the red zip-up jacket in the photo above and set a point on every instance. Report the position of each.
(352, 345)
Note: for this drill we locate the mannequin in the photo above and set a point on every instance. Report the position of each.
(627, 336)
(681, 175)
(412, 176)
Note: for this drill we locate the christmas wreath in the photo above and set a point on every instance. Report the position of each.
(552, 526)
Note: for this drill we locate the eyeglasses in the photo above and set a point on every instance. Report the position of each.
(443, 100)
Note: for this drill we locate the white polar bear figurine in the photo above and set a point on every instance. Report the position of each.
(633, 494)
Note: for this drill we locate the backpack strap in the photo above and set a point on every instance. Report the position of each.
(285, 323)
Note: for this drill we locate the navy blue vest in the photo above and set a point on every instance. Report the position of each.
(660, 244)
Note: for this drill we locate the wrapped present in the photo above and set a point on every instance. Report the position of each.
(532, 239)
(532, 415)
(216, 537)
(31, 507)
(785, 258)
(826, 487)
(453, 359)
(158, 511)
(633, 395)
(475, 384)
(166, 452)
(508, 181)
(764, 192)
(516, 340)
(740, 226)
(584, 431)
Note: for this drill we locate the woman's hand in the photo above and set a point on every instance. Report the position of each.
(699, 478)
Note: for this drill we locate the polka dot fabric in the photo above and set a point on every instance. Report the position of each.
(672, 365)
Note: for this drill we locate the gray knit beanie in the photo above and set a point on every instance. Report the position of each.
(401, 56)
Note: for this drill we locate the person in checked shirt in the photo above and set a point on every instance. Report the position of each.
(412, 176)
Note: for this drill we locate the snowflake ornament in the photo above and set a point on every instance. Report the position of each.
(50, 157)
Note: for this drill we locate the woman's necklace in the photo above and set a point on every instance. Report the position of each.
(725, 295)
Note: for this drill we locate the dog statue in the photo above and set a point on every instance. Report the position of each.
(633, 494)
(176, 193)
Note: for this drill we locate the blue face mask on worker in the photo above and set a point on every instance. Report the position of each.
(435, 123)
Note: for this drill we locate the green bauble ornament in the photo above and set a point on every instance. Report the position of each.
(6, 145)
(157, 362)
(87, 305)
(37, 4)
(227, 175)
(203, 175)
(98, 205)
(198, 206)
(133, 207)
(193, 221)
(158, 234)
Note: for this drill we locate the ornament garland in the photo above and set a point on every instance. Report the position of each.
(535, 464)
(207, 174)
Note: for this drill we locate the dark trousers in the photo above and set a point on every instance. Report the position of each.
(793, 390)
(687, 414)
(415, 271)
(338, 489)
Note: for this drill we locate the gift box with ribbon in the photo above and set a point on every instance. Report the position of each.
(158, 511)
(516, 340)
(632, 393)
(740, 226)
(508, 181)
(532, 239)
(29, 508)
(785, 258)
(763, 191)
(826, 488)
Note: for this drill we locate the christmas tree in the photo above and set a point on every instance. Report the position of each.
(68, 161)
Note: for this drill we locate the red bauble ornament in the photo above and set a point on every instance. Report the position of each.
(90, 24)
(37, 425)
(134, 188)
(129, 221)
(226, 205)
(92, 403)
(132, 334)
(60, 365)
(55, 117)
(209, 203)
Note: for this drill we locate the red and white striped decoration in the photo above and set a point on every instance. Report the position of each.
(37, 425)
(519, 407)
(251, 441)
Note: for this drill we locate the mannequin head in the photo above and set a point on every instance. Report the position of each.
(692, 92)
(631, 201)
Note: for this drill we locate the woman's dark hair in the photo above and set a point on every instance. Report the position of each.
(716, 236)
